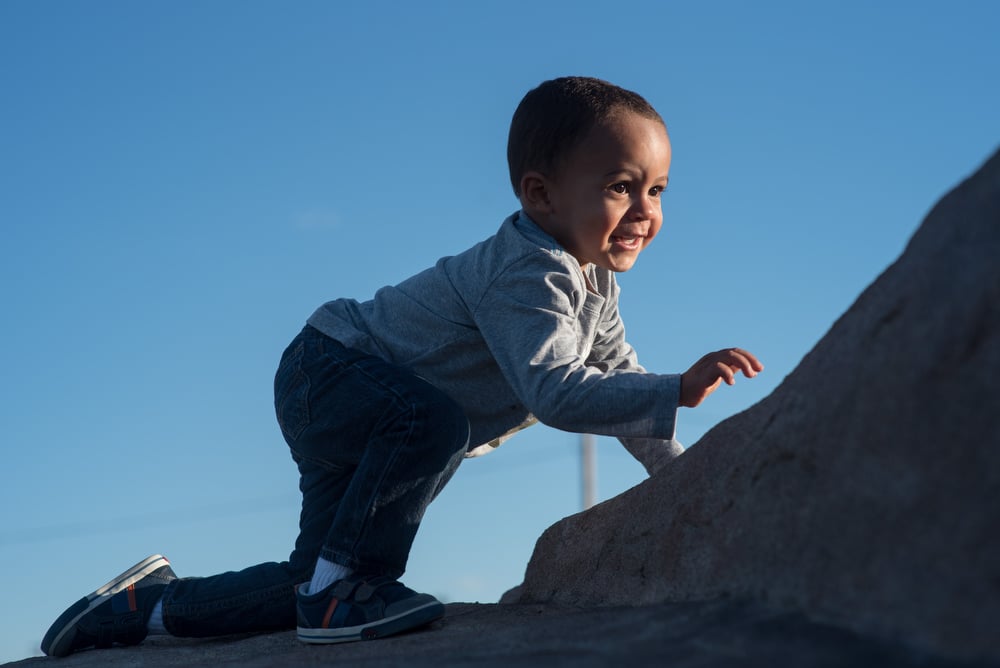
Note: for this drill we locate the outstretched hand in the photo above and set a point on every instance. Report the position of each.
(706, 374)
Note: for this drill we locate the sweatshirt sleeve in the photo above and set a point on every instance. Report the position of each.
(653, 453)
(610, 349)
(530, 317)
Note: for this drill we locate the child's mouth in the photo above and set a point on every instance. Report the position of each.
(626, 242)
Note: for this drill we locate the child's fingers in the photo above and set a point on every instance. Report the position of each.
(715, 368)
(741, 360)
(726, 372)
(755, 363)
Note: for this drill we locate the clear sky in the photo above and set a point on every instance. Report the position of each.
(182, 183)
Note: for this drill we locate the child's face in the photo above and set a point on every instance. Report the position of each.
(604, 203)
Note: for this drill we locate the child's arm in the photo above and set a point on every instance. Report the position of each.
(705, 375)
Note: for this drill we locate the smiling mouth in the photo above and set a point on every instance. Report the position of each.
(627, 241)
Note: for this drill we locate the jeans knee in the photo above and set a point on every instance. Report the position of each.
(446, 422)
(461, 428)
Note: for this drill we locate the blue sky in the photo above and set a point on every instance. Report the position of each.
(184, 182)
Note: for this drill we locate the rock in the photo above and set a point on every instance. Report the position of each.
(680, 635)
(863, 492)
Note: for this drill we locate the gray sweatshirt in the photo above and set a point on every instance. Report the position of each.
(510, 331)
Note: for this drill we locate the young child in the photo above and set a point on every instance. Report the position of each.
(379, 401)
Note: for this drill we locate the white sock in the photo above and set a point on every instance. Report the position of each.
(155, 622)
(326, 573)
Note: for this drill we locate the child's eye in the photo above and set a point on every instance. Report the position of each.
(620, 188)
(656, 191)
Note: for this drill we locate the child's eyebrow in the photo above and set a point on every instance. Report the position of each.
(632, 173)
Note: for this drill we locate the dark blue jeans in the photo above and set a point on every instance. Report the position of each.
(374, 444)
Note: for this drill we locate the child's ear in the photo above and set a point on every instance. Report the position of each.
(535, 192)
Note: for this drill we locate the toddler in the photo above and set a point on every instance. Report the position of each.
(379, 401)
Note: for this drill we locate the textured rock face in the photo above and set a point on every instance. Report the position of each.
(865, 491)
(710, 634)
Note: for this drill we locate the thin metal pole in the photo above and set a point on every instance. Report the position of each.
(588, 466)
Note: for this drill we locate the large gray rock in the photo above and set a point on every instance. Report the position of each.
(680, 635)
(865, 491)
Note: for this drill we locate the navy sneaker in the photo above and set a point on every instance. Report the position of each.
(356, 608)
(115, 613)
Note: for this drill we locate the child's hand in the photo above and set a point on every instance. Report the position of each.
(705, 375)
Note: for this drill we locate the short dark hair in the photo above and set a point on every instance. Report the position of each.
(556, 116)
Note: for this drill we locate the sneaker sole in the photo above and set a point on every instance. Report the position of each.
(405, 621)
(58, 641)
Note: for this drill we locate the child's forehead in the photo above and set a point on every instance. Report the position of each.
(636, 144)
(624, 120)
(624, 135)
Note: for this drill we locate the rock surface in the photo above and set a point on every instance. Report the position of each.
(680, 635)
(864, 491)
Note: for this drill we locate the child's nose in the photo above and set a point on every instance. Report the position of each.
(643, 207)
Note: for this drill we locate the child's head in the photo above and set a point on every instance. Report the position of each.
(555, 117)
(589, 161)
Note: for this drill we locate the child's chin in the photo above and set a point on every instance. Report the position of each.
(620, 267)
(621, 263)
